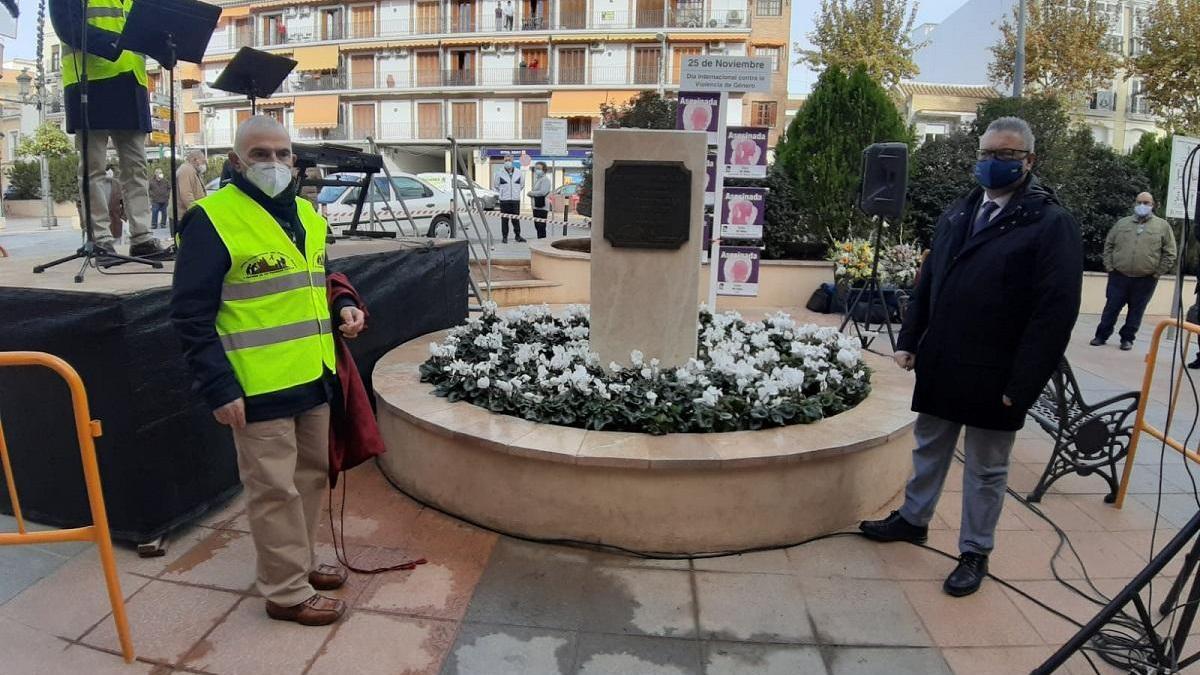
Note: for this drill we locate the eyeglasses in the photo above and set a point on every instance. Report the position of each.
(1003, 153)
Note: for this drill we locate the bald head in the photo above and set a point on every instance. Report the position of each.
(260, 139)
(1146, 198)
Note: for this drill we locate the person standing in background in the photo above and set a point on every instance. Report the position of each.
(1138, 250)
(510, 184)
(160, 194)
(190, 176)
(499, 16)
(508, 15)
(118, 111)
(538, 194)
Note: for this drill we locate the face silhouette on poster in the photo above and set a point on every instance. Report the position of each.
(746, 152)
(699, 111)
(743, 211)
(737, 272)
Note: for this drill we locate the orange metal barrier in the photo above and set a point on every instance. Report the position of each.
(1140, 425)
(86, 429)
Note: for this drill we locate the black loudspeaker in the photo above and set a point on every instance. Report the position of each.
(884, 180)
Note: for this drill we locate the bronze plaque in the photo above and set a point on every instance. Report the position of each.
(647, 204)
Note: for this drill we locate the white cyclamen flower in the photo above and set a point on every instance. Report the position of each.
(651, 396)
(848, 357)
(636, 357)
(483, 383)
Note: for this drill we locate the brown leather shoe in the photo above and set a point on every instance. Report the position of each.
(315, 611)
(328, 577)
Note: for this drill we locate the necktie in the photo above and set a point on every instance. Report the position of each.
(984, 217)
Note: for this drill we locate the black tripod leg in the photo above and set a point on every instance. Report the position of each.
(82, 269)
(1189, 610)
(54, 263)
(1189, 565)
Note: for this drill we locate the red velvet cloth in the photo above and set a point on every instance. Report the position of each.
(353, 434)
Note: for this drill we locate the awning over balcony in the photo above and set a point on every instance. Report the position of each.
(385, 45)
(466, 42)
(631, 37)
(585, 103)
(316, 112)
(316, 59)
(235, 12)
(275, 102)
(766, 43)
(707, 37)
(280, 4)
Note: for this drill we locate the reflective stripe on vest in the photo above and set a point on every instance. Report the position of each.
(108, 15)
(273, 321)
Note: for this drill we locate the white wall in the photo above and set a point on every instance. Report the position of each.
(721, 8)
(220, 37)
(302, 28)
(498, 118)
(610, 66)
(400, 68)
(498, 68)
(735, 48)
(619, 10)
(396, 119)
(733, 116)
(395, 17)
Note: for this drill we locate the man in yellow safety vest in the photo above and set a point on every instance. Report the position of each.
(118, 110)
(250, 307)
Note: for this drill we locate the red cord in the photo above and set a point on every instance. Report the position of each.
(339, 544)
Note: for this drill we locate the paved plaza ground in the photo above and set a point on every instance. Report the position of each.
(489, 604)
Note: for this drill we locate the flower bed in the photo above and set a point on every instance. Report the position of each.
(747, 375)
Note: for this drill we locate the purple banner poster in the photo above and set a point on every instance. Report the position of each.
(746, 152)
(710, 188)
(699, 111)
(742, 212)
(738, 270)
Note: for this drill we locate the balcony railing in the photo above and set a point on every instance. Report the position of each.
(392, 132)
(1138, 105)
(481, 21)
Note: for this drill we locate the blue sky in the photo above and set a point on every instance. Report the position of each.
(799, 81)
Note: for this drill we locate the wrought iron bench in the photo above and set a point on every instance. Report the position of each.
(1088, 437)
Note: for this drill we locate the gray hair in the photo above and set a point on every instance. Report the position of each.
(195, 153)
(1015, 125)
(255, 125)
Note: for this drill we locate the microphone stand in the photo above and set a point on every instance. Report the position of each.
(88, 252)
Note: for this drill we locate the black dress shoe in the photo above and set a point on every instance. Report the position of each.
(520, 239)
(966, 578)
(1126, 345)
(894, 528)
(1097, 342)
(1195, 364)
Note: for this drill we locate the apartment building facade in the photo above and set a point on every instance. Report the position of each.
(410, 73)
(1120, 115)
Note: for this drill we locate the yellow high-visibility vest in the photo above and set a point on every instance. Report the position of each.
(274, 316)
(106, 15)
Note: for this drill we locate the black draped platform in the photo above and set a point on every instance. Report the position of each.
(164, 461)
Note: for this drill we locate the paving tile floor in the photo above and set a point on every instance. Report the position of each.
(491, 605)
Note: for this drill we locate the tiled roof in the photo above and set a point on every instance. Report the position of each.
(961, 90)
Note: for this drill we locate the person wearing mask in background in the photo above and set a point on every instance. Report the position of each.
(118, 111)
(160, 195)
(190, 176)
(510, 185)
(986, 327)
(538, 194)
(1138, 250)
(250, 307)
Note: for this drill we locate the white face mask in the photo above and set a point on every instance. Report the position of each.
(109, 173)
(270, 177)
(1142, 210)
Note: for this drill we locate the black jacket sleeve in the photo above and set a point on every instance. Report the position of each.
(200, 268)
(916, 315)
(66, 17)
(1057, 289)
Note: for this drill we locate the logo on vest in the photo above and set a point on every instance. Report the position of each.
(267, 263)
(320, 259)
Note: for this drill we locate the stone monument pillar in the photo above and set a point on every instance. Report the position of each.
(647, 222)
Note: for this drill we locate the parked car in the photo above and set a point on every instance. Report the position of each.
(10, 192)
(566, 194)
(488, 198)
(430, 207)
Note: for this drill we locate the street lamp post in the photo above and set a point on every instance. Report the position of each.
(1019, 66)
(23, 82)
(662, 63)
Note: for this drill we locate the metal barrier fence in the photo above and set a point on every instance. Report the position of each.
(86, 429)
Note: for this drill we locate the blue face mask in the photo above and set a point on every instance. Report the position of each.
(998, 173)
(516, 165)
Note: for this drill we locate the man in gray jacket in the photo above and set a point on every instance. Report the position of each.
(1139, 249)
(538, 194)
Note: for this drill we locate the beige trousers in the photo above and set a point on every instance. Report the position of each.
(284, 465)
(130, 170)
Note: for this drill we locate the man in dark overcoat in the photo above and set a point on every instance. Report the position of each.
(988, 323)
